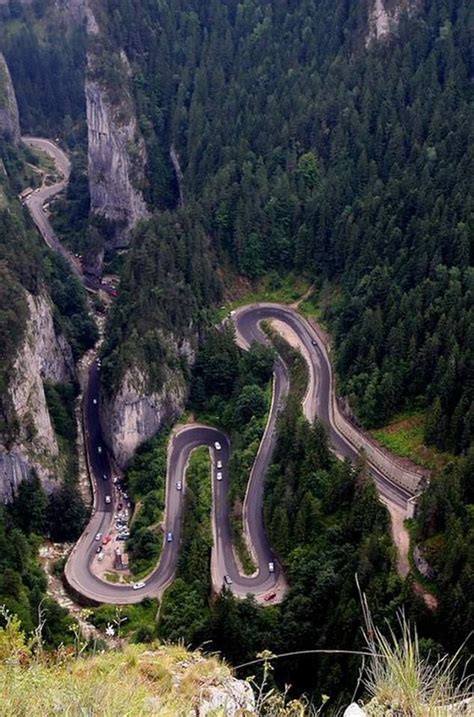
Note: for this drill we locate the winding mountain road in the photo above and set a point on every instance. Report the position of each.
(395, 483)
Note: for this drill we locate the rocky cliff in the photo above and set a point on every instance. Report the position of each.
(43, 355)
(9, 119)
(134, 414)
(116, 150)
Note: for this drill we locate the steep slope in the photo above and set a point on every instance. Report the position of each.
(44, 327)
(116, 150)
(9, 118)
(167, 280)
(43, 354)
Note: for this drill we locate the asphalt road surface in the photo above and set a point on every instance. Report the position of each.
(224, 566)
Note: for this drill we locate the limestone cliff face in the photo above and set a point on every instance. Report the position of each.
(43, 355)
(116, 158)
(116, 150)
(134, 414)
(384, 16)
(9, 118)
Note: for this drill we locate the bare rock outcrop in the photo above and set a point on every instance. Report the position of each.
(9, 118)
(116, 149)
(43, 355)
(384, 17)
(135, 414)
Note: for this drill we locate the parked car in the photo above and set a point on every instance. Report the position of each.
(98, 536)
(217, 446)
(269, 596)
(106, 539)
(98, 549)
(139, 586)
(101, 556)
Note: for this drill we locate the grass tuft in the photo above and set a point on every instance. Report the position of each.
(400, 679)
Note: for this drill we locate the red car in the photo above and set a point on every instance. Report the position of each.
(106, 539)
(269, 596)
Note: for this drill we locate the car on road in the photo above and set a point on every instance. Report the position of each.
(169, 537)
(105, 476)
(99, 449)
(94, 401)
(219, 475)
(217, 446)
(106, 539)
(98, 536)
(179, 485)
(98, 549)
(227, 580)
(219, 464)
(108, 499)
(269, 596)
(139, 586)
(271, 567)
(314, 342)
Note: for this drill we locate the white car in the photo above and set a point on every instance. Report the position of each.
(219, 475)
(98, 536)
(271, 567)
(139, 586)
(169, 537)
(108, 499)
(217, 446)
(94, 401)
(179, 485)
(101, 556)
(99, 449)
(219, 464)
(227, 580)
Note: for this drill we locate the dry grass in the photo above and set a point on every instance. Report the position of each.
(400, 679)
(160, 680)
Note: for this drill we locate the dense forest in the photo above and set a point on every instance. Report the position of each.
(304, 149)
(46, 55)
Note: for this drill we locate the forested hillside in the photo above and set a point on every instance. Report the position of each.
(307, 150)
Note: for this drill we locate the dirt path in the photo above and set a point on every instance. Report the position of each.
(400, 537)
(306, 295)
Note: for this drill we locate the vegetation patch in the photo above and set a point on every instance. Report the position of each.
(405, 436)
(146, 479)
(136, 622)
(273, 287)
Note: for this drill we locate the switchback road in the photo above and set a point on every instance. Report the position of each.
(395, 483)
